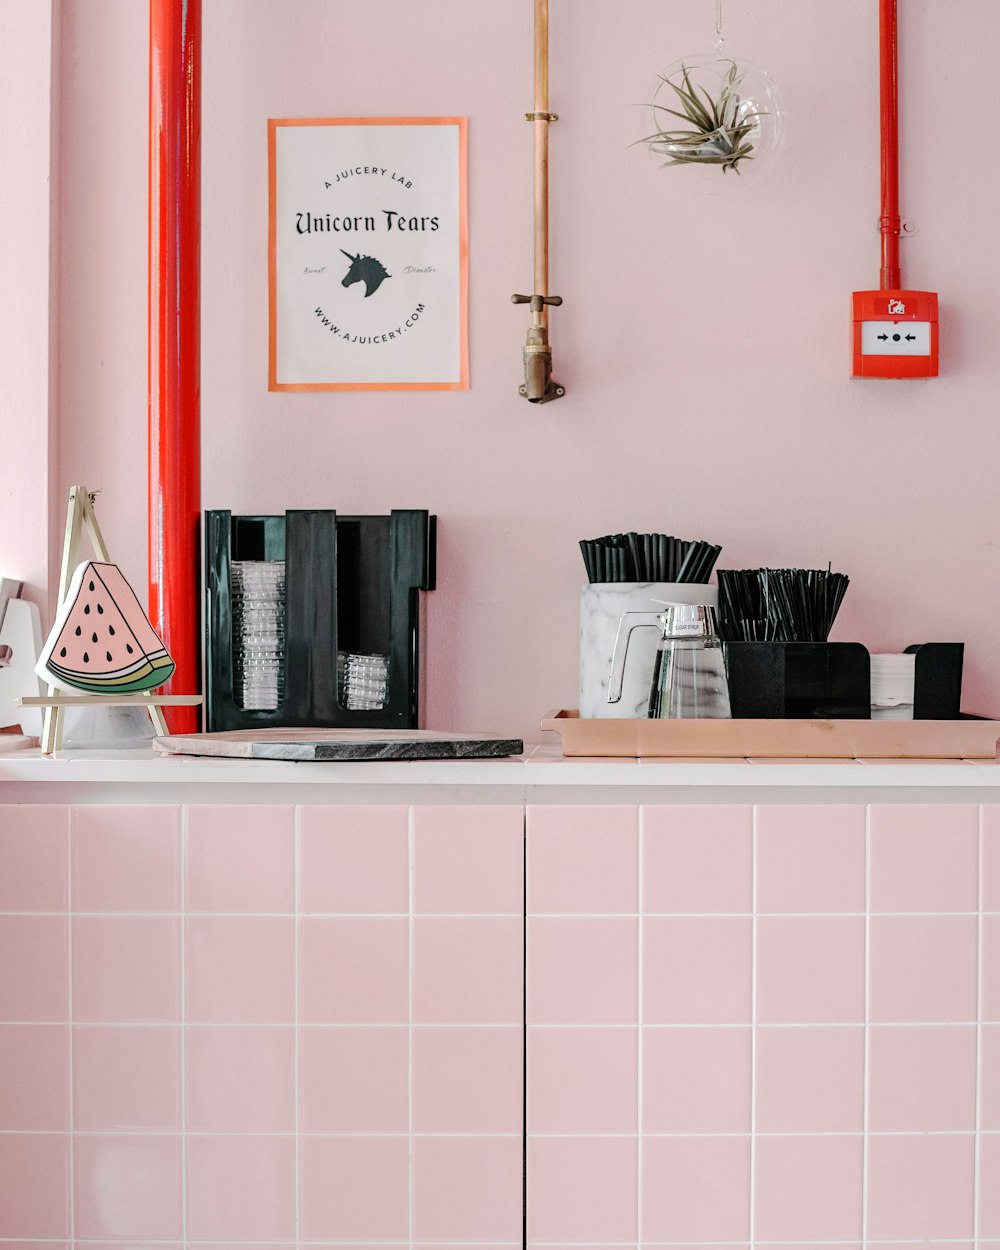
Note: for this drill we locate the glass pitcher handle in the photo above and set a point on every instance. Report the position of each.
(630, 621)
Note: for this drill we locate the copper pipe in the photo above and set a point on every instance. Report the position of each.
(541, 124)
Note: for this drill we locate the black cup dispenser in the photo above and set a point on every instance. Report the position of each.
(351, 589)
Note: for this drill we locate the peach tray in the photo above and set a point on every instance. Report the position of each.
(967, 738)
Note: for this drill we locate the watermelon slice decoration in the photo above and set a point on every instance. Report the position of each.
(102, 641)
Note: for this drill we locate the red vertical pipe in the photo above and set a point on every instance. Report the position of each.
(889, 223)
(174, 333)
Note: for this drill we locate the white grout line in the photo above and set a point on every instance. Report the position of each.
(296, 890)
(514, 1245)
(866, 1047)
(513, 1024)
(977, 1152)
(183, 1028)
(411, 927)
(640, 894)
(753, 1031)
(465, 1133)
(145, 914)
(71, 1082)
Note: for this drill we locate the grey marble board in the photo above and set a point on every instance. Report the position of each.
(340, 744)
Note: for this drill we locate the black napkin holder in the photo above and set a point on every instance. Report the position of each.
(351, 584)
(832, 680)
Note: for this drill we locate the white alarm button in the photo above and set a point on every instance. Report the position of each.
(895, 338)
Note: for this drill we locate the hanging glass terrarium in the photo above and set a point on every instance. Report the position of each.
(715, 113)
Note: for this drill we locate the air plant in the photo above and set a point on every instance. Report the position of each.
(719, 130)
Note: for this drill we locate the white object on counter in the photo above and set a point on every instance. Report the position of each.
(892, 681)
(21, 633)
(602, 605)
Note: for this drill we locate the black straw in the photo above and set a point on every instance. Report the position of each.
(636, 557)
(779, 605)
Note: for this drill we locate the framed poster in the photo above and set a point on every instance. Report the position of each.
(368, 254)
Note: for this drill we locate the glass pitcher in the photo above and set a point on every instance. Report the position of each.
(689, 676)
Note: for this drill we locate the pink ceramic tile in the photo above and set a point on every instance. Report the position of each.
(353, 1080)
(468, 971)
(991, 857)
(33, 970)
(468, 859)
(466, 1188)
(353, 859)
(241, 1187)
(695, 1187)
(240, 970)
(241, 858)
(240, 1079)
(810, 1080)
(696, 970)
(696, 1080)
(811, 970)
(126, 1078)
(127, 1186)
(920, 1187)
(811, 858)
(236, 1245)
(582, 1080)
(134, 1244)
(989, 1097)
(921, 1079)
(126, 968)
(34, 1171)
(923, 968)
(353, 970)
(808, 1188)
(989, 1190)
(697, 859)
(991, 968)
(33, 854)
(354, 1188)
(924, 857)
(50, 1245)
(126, 858)
(467, 1080)
(582, 1189)
(33, 1085)
(583, 859)
(582, 971)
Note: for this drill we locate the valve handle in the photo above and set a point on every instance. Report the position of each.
(537, 301)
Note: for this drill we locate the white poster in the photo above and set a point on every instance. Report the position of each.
(368, 254)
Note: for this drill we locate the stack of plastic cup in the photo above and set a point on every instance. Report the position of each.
(258, 633)
(362, 681)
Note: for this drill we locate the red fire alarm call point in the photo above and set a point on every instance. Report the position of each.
(895, 334)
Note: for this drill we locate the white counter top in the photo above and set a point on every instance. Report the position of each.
(544, 766)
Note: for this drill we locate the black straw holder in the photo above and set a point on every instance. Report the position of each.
(832, 680)
(351, 584)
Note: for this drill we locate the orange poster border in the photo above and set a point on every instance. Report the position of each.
(463, 219)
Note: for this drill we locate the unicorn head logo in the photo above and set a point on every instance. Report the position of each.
(365, 269)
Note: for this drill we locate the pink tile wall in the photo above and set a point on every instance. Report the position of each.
(776, 1025)
(255, 1024)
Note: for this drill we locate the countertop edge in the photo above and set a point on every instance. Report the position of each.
(543, 767)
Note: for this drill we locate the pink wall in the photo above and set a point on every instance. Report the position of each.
(28, 240)
(704, 340)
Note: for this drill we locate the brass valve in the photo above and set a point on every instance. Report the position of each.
(538, 386)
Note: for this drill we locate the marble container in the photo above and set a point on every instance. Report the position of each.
(602, 606)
